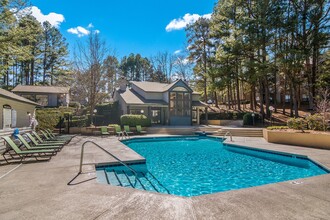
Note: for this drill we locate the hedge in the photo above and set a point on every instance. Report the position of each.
(133, 120)
(107, 113)
(277, 127)
(82, 122)
(49, 118)
(223, 116)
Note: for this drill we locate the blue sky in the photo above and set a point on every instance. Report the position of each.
(140, 26)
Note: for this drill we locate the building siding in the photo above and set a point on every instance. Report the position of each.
(22, 110)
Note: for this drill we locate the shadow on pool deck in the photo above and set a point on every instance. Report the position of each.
(40, 191)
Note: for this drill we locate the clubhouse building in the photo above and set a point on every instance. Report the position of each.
(165, 104)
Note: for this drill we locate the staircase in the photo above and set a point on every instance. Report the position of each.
(241, 132)
(126, 178)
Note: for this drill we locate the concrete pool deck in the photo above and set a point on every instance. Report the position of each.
(40, 190)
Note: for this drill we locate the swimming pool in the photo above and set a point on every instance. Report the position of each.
(191, 166)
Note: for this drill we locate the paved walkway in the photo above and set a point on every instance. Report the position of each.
(40, 191)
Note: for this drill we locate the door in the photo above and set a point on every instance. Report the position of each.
(6, 117)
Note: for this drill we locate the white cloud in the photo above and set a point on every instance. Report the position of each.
(180, 23)
(177, 51)
(53, 18)
(80, 31)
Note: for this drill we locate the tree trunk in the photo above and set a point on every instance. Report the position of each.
(251, 99)
(291, 100)
(52, 76)
(283, 97)
(267, 101)
(237, 88)
(228, 94)
(294, 99)
(261, 98)
(216, 99)
(32, 72)
(205, 89)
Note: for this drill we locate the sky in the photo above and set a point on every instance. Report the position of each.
(132, 26)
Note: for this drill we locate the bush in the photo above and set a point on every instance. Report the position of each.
(297, 123)
(248, 119)
(49, 118)
(315, 122)
(75, 105)
(82, 122)
(277, 127)
(223, 116)
(133, 120)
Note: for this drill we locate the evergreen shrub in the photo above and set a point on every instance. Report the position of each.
(248, 119)
(49, 118)
(133, 120)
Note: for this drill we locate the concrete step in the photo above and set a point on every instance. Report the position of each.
(173, 131)
(243, 132)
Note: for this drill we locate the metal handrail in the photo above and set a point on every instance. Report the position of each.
(231, 136)
(123, 135)
(120, 161)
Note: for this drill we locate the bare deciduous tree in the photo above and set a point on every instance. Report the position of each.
(89, 69)
(163, 62)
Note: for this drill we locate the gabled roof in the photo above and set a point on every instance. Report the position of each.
(41, 89)
(155, 86)
(10, 95)
(151, 86)
(132, 98)
(198, 104)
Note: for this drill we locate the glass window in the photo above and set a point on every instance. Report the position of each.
(180, 103)
(155, 119)
(135, 111)
(180, 95)
(180, 89)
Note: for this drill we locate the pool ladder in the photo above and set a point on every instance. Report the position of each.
(123, 135)
(231, 136)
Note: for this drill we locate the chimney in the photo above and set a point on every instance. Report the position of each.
(122, 82)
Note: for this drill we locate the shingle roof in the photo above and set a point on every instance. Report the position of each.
(153, 86)
(198, 104)
(13, 96)
(41, 89)
(132, 98)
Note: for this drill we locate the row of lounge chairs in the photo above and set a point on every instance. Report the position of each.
(34, 146)
(119, 131)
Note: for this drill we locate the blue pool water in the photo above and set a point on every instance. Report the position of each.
(191, 166)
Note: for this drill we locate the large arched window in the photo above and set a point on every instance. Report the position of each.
(180, 102)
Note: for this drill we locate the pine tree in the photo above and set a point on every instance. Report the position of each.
(200, 49)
